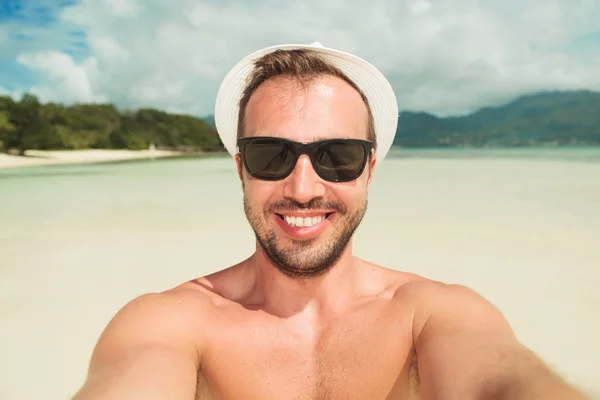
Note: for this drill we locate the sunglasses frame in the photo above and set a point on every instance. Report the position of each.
(299, 149)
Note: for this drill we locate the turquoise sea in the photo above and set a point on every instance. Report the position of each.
(147, 193)
(583, 154)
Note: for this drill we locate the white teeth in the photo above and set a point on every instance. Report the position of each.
(300, 222)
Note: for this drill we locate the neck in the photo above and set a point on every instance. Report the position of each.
(284, 296)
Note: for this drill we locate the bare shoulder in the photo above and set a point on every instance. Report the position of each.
(176, 317)
(390, 281)
(440, 305)
(430, 292)
(151, 348)
(160, 319)
(225, 287)
(446, 307)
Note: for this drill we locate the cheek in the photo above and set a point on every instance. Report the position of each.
(352, 196)
(354, 200)
(258, 192)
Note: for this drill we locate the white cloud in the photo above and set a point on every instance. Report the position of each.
(123, 8)
(67, 80)
(445, 57)
(108, 49)
(158, 89)
(420, 7)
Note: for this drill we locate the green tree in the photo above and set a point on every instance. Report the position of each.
(7, 128)
(28, 124)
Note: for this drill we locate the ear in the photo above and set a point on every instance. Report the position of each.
(372, 163)
(238, 162)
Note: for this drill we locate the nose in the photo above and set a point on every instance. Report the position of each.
(303, 184)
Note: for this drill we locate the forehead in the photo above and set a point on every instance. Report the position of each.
(326, 107)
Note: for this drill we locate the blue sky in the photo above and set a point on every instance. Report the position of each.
(31, 26)
(442, 56)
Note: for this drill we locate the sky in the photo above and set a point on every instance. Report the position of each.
(446, 57)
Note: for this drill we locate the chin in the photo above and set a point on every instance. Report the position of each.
(306, 258)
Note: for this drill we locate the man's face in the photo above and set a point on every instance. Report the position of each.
(330, 212)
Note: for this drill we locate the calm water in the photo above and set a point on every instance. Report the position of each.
(181, 193)
(76, 242)
(582, 154)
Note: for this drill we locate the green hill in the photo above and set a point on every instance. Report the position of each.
(543, 119)
(28, 124)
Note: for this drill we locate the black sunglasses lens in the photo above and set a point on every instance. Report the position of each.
(268, 158)
(340, 160)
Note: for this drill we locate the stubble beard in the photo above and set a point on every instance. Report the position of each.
(305, 259)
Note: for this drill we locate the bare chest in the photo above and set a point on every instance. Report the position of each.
(358, 357)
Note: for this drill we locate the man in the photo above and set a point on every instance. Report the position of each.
(302, 318)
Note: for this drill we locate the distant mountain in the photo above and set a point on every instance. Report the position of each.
(543, 119)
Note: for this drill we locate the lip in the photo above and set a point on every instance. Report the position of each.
(303, 233)
(309, 214)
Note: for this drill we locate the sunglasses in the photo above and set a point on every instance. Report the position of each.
(334, 160)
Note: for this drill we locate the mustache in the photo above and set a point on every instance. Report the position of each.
(280, 206)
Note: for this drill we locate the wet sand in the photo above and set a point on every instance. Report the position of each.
(41, 158)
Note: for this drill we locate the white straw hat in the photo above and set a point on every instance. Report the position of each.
(369, 79)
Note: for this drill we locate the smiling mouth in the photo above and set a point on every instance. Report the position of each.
(304, 222)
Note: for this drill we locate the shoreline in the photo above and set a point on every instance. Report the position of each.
(35, 158)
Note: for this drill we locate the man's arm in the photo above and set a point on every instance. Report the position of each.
(466, 350)
(145, 352)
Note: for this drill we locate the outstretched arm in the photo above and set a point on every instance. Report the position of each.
(144, 353)
(466, 350)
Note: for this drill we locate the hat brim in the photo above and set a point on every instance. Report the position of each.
(369, 79)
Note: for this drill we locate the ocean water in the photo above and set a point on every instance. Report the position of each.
(581, 154)
(177, 192)
(520, 226)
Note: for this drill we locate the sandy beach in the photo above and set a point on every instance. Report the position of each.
(94, 156)
(78, 242)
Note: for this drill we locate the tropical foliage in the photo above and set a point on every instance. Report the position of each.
(28, 124)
